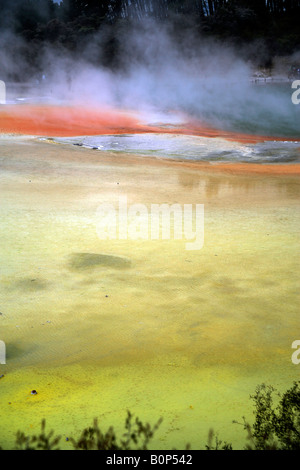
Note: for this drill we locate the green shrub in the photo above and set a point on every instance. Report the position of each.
(276, 427)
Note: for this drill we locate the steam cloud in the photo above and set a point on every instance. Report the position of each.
(156, 74)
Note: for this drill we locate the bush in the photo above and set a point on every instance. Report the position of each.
(275, 427)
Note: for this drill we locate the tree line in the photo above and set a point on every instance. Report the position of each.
(271, 25)
(22, 14)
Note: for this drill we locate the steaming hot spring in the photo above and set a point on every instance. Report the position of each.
(98, 326)
(175, 135)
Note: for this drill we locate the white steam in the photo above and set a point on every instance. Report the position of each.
(202, 79)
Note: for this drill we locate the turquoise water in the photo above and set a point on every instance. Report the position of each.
(256, 109)
(242, 106)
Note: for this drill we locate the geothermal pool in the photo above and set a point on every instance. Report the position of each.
(195, 148)
(101, 326)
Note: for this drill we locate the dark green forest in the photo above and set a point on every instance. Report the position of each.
(271, 26)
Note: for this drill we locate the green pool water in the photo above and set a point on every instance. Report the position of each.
(101, 326)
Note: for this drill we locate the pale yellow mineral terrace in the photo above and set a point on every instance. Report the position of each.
(97, 327)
